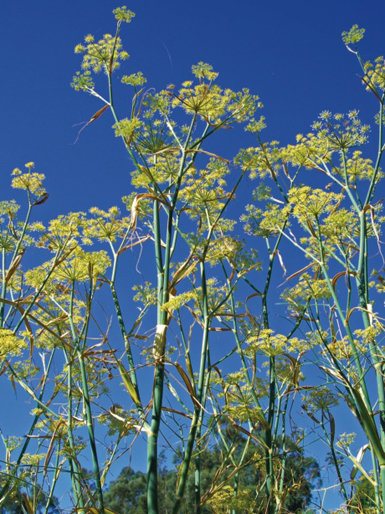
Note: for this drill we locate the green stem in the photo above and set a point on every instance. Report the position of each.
(73, 464)
(272, 381)
(197, 460)
(27, 439)
(3, 287)
(381, 149)
(335, 462)
(125, 336)
(57, 469)
(283, 461)
(198, 405)
(85, 393)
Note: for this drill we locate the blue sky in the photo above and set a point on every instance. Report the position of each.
(289, 53)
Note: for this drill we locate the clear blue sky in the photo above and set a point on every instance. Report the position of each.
(289, 53)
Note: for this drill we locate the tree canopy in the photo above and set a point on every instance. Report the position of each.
(127, 494)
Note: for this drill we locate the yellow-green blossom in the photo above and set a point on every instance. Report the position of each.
(10, 344)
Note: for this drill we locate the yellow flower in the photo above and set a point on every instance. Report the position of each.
(10, 344)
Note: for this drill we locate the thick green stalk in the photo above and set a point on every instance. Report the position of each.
(159, 347)
(281, 484)
(91, 434)
(197, 460)
(157, 392)
(3, 287)
(157, 399)
(162, 324)
(268, 436)
(362, 286)
(198, 405)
